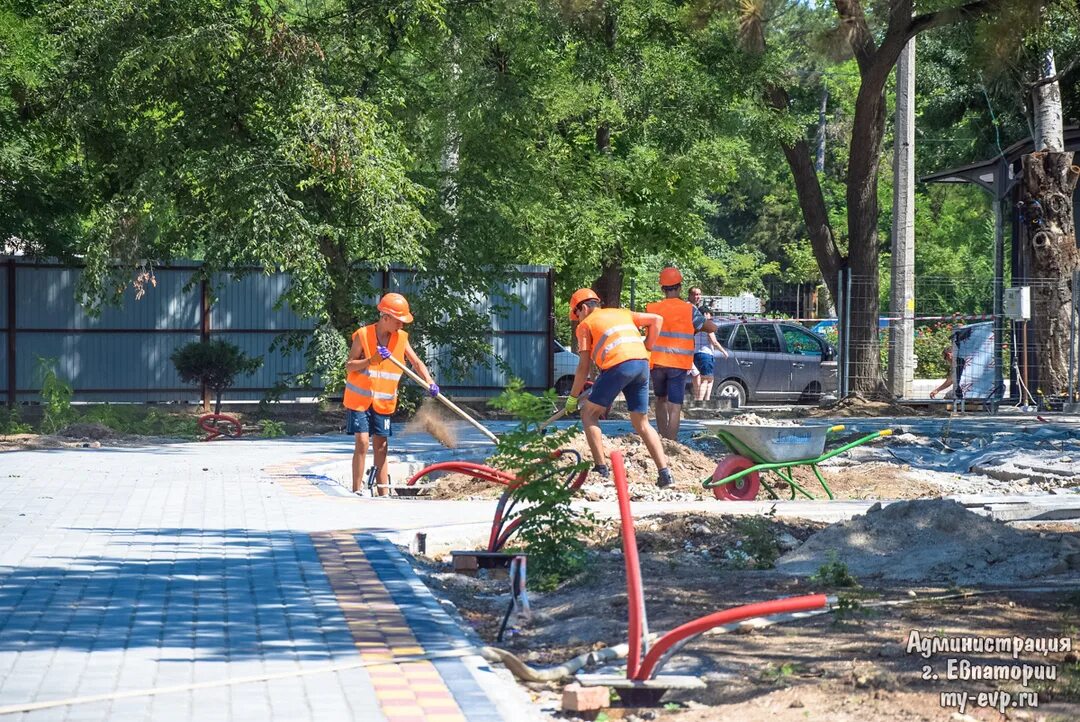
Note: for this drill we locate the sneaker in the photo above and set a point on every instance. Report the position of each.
(664, 480)
(601, 470)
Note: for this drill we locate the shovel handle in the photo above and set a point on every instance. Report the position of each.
(449, 404)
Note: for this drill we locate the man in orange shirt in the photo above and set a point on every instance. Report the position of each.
(372, 381)
(609, 337)
(673, 354)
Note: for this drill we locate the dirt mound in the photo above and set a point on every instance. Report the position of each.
(855, 404)
(432, 419)
(688, 468)
(463, 486)
(746, 541)
(91, 430)
(934, 540)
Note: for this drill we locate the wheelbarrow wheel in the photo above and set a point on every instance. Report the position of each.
(745, 488)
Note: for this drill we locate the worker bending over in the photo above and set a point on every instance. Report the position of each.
(371, 384)
(673, 354)
(609, 337)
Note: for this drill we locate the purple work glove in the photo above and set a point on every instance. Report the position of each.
(433, 390)
(383, 351)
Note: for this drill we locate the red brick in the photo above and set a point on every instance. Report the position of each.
(576, 698)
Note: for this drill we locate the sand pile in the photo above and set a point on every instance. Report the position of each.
(934, 541)
(755, 420)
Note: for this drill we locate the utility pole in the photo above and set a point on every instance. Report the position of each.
(902, 295)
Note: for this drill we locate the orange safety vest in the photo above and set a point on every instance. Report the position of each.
(675, 346)
(377, 384)
(614, 337)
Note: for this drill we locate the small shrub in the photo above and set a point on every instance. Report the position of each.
(11, 422)
(124, 419)
(272, 429)
(213, 363)
(758, 541)
(57, 394)
(552, 531)
(834, 574)
(159, 423)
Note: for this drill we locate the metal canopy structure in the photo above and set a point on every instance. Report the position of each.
(998, 176)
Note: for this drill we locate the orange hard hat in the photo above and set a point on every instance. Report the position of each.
(582, 294)
(670, 276)
(394, 304)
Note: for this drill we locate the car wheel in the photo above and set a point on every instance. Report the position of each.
(563, 385)
(733, 390)
(811, 394)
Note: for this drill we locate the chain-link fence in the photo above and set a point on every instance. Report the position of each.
(959, 350)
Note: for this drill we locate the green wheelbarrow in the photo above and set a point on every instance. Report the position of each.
(776, 449)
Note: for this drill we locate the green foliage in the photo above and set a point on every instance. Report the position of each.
(552, 531)
(781, 674)
(141, 421)
(11, 422)
(930, 344)
(216, 364)
(56, 393)
(834, 574)
(325, 352)
(272, 429)
(758, 541)
(161, 423)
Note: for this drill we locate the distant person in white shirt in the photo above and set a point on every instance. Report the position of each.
(705, 348)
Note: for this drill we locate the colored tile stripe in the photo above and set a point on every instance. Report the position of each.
(406, 691)
(296, 479)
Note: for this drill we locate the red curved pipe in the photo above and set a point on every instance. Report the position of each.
(727, 616)
(635, 600)
(479, 471)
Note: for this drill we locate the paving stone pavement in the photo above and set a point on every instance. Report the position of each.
(213, 576)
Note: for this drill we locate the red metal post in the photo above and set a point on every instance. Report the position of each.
(635, 599)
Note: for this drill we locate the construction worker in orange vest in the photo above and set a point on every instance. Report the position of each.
(609, 338)
(372, 381)
(673, 353)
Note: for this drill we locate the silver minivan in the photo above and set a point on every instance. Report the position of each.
(773, 361)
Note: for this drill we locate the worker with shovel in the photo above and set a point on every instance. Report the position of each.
(609, 337)
(673, 354)
(376, 360)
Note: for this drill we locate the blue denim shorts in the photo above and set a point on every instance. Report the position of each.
(367, 422)
(670, 383)
(629, 377)
(705, 362)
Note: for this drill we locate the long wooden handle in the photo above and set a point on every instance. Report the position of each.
(449, 404)
(558, 415)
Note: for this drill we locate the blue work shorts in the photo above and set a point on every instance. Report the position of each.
(367, 422)
(629, 377)
(669, 383)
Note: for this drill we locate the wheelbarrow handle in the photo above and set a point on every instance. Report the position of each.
(835, 429)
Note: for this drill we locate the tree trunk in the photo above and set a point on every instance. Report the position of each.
(609, 285)
(864, 367)
(1047, 202)
(811, 200)
(1046, 103)
(338, 291)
